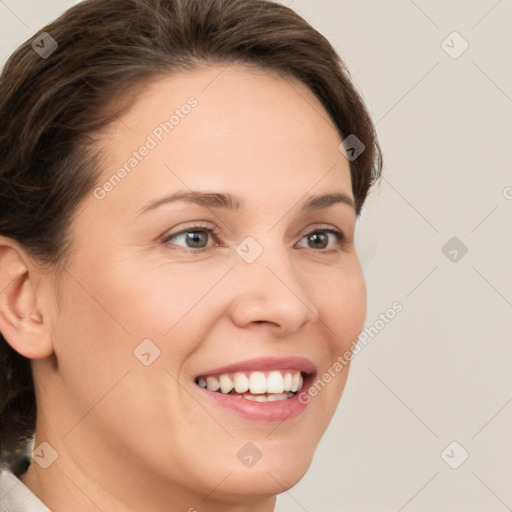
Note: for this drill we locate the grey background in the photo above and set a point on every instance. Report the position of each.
(440, 371)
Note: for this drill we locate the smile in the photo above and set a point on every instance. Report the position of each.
(264, 389)
(258, 386)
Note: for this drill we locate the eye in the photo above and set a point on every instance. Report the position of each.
(319, 238)
(195, 238)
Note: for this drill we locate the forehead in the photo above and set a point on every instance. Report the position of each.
(235, 128)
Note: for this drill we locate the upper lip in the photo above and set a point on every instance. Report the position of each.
(265, 364)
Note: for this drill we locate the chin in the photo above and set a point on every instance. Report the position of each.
(261, 481)
(281, 466)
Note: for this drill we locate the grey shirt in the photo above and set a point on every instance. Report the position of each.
(15, 496)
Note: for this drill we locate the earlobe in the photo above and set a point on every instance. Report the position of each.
(21, 322)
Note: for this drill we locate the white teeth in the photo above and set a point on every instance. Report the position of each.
(280, 396)
(241, 382)
(275, 383)
(226, 384)
(287, 381)
(295, 382)
(252, 398)
(268, 398)
(212, 384)
(257, 383)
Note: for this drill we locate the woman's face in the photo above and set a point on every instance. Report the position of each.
(153, 305)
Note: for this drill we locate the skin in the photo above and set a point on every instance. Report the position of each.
(131, 437)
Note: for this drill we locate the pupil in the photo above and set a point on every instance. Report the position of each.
(196, 237)
(319, 236)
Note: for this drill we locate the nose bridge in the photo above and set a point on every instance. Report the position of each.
(269, 288)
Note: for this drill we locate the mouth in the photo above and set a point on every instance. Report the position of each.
(257, 386)
(263, 389)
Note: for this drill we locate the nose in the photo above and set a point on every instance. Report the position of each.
(272, 291)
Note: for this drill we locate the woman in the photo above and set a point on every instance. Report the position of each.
(180, 183)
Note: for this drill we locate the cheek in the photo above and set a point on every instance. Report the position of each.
(342, 306)
(89, 335)
(152, 298)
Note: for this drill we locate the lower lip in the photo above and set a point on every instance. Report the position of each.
(271, 412)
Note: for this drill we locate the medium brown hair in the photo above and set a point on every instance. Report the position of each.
(107, 50)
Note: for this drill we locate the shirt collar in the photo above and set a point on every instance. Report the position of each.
(15, 496)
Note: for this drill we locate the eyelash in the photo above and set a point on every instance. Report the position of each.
(340, 237)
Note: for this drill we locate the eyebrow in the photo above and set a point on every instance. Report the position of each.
(230, 202)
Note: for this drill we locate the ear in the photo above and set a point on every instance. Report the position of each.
(21, 322)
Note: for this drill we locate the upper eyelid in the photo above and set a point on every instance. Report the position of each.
(216, 231)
